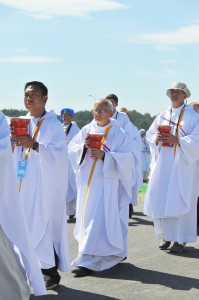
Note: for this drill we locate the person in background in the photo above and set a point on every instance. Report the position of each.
(195, 106)
(69, 125)
(15, 243)
(171, 197)
(39, 159)
(135, 140)
(146, 156)
(71, 129)
(124, 110)
(105, 180)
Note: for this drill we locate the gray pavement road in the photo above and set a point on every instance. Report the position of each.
(148, 273)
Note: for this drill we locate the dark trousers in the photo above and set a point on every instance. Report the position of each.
(53, 272)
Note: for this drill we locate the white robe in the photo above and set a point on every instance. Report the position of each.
(12, 219)
(43, 192)
(146, 158)
(102, 216)
(72, 186)
(134, 138)
(73, 130)
(172, 192)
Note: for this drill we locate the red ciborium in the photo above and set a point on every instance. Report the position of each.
(162, 130)
(20, 126)
(95, 140)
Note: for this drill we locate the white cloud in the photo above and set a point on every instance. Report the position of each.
(170, 40)
(28, 59)
(46, 9)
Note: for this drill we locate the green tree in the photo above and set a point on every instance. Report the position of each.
(14, 112)
(84, 117)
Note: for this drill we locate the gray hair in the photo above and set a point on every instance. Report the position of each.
(105, 102)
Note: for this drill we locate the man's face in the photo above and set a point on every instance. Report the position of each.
(33, 99)
(66, 118)
(177, 97)
(102, 114)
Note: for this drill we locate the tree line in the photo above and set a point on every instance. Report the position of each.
(84, 117)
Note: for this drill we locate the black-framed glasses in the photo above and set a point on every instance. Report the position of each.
(100, 111)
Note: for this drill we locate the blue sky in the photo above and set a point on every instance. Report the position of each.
(85, 49)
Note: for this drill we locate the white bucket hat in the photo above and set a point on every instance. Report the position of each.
(179, 86)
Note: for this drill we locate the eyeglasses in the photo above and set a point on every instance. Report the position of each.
(100, 111)
(178, 92)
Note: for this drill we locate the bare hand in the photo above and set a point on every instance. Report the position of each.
(168, 138)
(23, 141)
(87, 141)
(12, 131)
(97, 153)
(158, 138)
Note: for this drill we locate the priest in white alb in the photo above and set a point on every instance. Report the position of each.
(105, 179)
(171, 198)
(19, 266)
(134, 138)
(43, 182)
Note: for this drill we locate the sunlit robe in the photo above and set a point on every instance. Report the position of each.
(146, 158)
(72, 187)
(171, 198)
(134, 138)
(102, 222)
(43, 192)
(12, 219)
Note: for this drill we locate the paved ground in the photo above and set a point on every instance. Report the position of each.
(148, 273)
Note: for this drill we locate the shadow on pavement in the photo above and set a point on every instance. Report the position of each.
(190, 252)
(126, 271)
(67, 293)
(134, 221)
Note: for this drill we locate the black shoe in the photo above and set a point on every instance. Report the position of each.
(49, 282)
(164, 245)
(130, 210)
(71, 217)
(82, 271)
(177, 248)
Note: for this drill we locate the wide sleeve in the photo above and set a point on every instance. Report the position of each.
(120, 162)
(189, 146)
(12, 218)
(76, 149)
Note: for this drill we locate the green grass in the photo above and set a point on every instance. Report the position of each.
(143, 188)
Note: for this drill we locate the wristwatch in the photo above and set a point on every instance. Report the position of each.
(35, 145)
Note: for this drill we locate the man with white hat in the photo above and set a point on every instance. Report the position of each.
(171, 198)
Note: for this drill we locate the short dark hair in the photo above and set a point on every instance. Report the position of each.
(41, 86)
(112, 97)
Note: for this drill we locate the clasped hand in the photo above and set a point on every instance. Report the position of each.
(21, 141)
(167, 138)
(94, 153)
